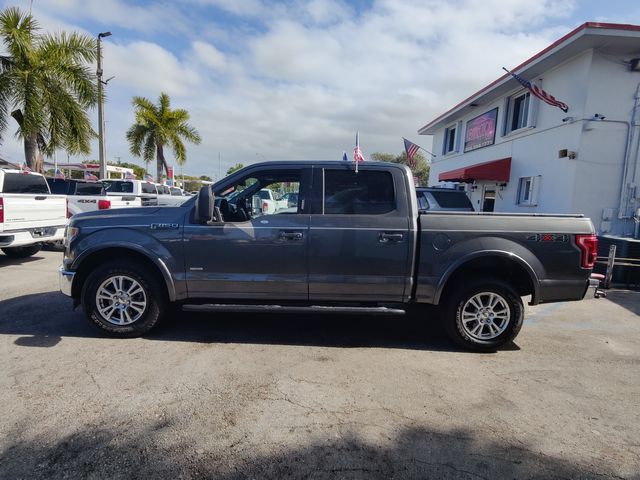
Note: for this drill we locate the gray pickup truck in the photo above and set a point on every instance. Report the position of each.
(355, 241)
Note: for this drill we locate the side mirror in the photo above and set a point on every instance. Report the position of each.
(206, 211)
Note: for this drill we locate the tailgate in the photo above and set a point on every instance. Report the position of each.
(126, 201)
(27, 211)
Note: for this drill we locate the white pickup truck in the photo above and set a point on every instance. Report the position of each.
(146, 192)
(265, 201)
(85, 196)
(170, 196)
(29, 214)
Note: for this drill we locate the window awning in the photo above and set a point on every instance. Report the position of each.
(496, 170)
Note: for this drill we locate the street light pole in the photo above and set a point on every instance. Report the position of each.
(102, 153)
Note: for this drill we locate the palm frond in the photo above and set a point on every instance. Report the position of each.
(149, 149)
(17, 30)
(136, 136)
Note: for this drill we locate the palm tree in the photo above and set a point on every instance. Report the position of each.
(46, 85)
(157, 126)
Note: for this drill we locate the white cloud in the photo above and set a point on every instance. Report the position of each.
(297, 79)
(209, 55)
(147, 67)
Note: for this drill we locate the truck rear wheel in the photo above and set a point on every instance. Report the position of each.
(22, 252)
(483, 315)
(123, 299)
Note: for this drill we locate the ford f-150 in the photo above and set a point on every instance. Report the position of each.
(355, 241)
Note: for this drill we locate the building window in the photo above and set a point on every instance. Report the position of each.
(450, 140)
(518, 112)
(528, 188)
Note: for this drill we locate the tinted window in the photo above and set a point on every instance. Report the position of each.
(118, 186)
(148, 188)
(452, 199)
(423, 204)
(163, 190)
(58, 186)
(367, 192)
(89, 188)
(24, 183)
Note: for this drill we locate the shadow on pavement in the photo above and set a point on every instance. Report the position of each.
(156, 451)
(5, 260)
(628, 299)
(43, 319)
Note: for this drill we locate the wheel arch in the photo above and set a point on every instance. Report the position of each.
(90, 260)
(506, 266)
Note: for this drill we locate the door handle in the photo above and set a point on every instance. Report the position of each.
(290, 235)
(388, 237)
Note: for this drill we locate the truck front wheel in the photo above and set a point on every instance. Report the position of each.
(483, 315)
(22, 252)
(123, 299)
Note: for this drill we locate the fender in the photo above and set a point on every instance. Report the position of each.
(488, 253)
(146, 245)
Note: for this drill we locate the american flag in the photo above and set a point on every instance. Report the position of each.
(148, 178)
(129, 176)
(25, 168)
(357, 153)
(59, 174)
(538, 92)
(411, 149)
(90, 176)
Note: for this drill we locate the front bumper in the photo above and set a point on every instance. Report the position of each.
(66, 280)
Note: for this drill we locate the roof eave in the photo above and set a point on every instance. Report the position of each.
(559, 44)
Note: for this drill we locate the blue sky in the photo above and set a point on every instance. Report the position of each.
(295, 79)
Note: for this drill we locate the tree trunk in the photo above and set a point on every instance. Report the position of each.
(33, 154)
(33, 145)
(161, 163)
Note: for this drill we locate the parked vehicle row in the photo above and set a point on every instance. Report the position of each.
(354, 241)
(29, 214)
(86, 196)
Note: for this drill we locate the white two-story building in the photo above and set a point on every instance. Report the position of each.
(516, 153)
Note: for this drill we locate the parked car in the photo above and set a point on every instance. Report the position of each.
(145, 191)
(291, 198)
(443, 199)
(29, 214)
(167, 198)
(356, 242)
(85, 196)
(265, 200)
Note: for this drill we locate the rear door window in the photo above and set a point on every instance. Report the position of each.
(368, 192)
(24, 183)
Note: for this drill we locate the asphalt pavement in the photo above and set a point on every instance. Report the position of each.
(288, 396)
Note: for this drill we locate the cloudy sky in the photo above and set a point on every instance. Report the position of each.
(295, 79)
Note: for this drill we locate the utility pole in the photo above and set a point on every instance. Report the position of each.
(102, 153)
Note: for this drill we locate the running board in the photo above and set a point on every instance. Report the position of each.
(215, 307)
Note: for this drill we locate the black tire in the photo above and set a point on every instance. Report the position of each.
(22, 252)
(474, 333)
(154, 299)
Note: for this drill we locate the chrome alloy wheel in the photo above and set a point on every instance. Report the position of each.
(485, 316)
(121, 300)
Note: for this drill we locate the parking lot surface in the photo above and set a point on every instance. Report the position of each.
(289, 396)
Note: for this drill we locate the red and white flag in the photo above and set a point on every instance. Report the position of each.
(538, 92)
